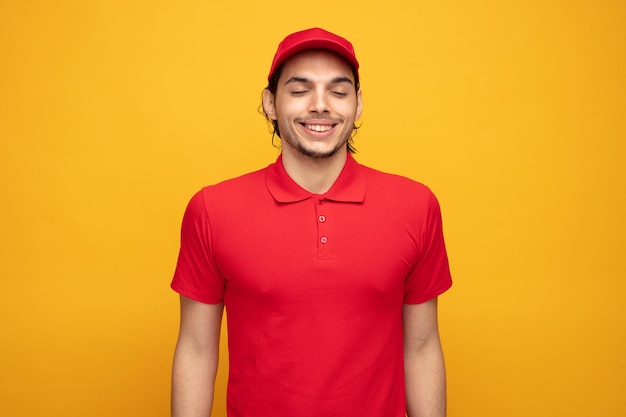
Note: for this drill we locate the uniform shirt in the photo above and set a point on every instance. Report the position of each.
(314, 286)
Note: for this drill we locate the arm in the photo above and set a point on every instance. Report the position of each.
(425, 374)
(196, 358)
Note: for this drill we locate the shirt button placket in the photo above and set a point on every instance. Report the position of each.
(323, 239)
(323, 246)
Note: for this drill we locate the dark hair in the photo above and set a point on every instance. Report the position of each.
(272, 86)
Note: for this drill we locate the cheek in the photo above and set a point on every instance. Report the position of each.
(284, 123)
(286, 111)
(348, 108)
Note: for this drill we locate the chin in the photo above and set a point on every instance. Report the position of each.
(319, 153)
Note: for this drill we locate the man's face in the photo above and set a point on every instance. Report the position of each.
(315, 104)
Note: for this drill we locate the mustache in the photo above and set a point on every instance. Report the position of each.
(309, 120)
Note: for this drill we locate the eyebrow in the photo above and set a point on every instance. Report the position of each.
(336, 80)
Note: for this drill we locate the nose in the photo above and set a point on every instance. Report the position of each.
(319, 103)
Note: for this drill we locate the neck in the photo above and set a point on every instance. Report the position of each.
(315, 175)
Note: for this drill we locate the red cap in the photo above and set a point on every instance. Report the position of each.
(315, 38)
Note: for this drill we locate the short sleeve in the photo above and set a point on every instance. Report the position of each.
(196, 275)
(430, 276)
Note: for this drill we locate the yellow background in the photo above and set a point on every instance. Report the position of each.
(113, 113)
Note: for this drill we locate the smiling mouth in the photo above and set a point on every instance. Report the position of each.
(318, 128)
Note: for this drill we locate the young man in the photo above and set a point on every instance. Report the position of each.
(329, 270)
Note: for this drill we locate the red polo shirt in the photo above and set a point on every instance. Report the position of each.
(314, 286)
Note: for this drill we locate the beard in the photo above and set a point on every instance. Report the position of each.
(315, 153)
(291, 137)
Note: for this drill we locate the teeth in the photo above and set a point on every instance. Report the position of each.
(319, 128)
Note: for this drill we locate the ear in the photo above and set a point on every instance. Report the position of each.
(359, 105)
(268, 104)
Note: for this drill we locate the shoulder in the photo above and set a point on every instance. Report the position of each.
(237, 186)
(377, 177)
(227, 193)
(398, 188)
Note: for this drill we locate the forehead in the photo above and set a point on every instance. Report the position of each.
(316, 64)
